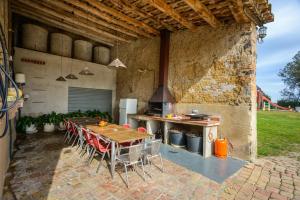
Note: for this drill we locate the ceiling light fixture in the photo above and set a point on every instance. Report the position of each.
(116, 62)
(61, 78)
(86, 72)
(71, 75)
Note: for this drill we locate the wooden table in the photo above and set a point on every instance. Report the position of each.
(117, 134)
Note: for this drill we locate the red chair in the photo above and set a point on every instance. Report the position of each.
(68, 130)
(142, 130)
(89, 145)
(102, 146)
(74, 132)
(126, 144)
(126, 126)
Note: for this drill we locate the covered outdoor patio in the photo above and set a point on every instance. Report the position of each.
(130, 99)
(45, 168)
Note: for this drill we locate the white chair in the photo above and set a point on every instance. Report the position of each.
(132, 158)
(152, 150)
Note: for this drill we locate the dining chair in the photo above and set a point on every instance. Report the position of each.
(102, 146)
(88, 143)
(73, 132)
(75, 129)
(142, 130)
(132, 158)
(81, 138)
(125, 144)
(68, 130)
(152, 150)
(126, 126)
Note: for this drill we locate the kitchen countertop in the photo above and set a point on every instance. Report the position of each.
(215, 121)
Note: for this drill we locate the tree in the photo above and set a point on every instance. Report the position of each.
(290, 75)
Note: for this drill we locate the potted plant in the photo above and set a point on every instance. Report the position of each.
(60, 120)
(27, 124)
(49, 121)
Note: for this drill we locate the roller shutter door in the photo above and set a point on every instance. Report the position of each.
(89, 99)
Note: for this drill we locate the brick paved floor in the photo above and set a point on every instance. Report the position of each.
(46, 169)
(268, 178)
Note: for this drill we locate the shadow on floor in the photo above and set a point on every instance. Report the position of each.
(33, 166)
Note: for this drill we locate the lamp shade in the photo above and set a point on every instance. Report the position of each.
(20, 78)
(71, 76)
(86, 71)
(61, 79)
(117, 63)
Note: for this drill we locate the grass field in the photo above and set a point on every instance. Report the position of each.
(278, 133)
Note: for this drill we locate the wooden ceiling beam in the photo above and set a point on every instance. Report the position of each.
(168, 10)
(106, 17)
(72, 20)
(57, 23)
(89, 17)
(237, 9)
(204, 12)
(100, 6)
(124, 4)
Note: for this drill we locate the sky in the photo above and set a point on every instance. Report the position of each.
(279, 47)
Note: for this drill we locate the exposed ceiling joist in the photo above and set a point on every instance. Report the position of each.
(57, 23)
(106, 17)
(122, 16)
(167, 9)
(124, 4)
(70, 19)
(237, 9)
(89, 17)
(204, 12)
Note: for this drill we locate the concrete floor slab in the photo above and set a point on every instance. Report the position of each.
(213, 168)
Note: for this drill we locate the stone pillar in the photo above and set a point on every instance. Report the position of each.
(253, 95)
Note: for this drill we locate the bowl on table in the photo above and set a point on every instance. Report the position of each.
(103, 123)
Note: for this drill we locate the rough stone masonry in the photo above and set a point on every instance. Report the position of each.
(212, 70)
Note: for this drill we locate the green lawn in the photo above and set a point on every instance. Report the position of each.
(278, 133)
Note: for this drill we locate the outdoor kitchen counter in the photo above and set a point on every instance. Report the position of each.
(209, 127)
(212, 122)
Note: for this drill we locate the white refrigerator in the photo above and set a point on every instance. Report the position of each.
(127, 106)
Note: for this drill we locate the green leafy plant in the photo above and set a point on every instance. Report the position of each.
(51, 118)
(54, 118)
(24, 122)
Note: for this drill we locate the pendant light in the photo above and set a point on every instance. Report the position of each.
(71, 75)
(61, 78)
(116, 62)
(86, 72)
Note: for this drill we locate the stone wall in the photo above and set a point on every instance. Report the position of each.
(141, 77)
(212, 70)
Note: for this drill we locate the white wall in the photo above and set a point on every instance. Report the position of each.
(42, 86)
